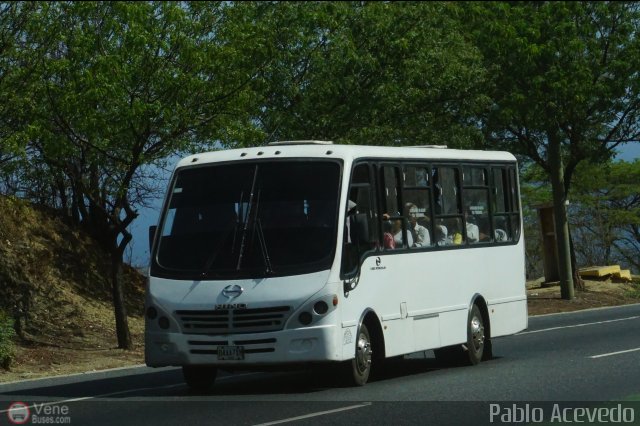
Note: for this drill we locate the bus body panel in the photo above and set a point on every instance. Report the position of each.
(422, 299)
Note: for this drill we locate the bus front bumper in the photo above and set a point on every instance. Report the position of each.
(312, 344)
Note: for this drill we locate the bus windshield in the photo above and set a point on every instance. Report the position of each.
(248, 220)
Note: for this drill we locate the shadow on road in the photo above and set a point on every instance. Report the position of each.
(170, 384)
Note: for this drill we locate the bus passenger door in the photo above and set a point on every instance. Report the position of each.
(361, 230)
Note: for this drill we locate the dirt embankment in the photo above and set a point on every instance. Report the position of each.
(54, 285)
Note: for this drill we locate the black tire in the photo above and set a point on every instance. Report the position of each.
(475, 336)
(361, 364)
(476, 349)
(199, 378)
(487, 353)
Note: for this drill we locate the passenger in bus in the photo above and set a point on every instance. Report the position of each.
(420, 234)
(387, 236)
(456, 237)
(455, 232)
(473, 232)
(397, 234)
(441, 234)
(499, 233)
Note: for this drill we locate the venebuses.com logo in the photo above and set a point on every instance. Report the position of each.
(18, 413)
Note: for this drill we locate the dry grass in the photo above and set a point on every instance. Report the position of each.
(597, 294)
(53, 277)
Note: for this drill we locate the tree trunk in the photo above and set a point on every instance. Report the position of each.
(578, 282)
(122, 324)
(561, 221)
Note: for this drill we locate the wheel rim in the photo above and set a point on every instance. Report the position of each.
(363, 353)
(477, 333)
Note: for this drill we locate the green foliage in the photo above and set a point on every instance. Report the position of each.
(7, 334)
(371, 73)
(605, 213)
(564, 88)
(563, 72)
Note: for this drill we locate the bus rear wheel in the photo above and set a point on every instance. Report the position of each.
(199, 378)
(474, 349)
(475, 335)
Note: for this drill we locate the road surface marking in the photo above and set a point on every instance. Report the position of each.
(319, 413)
(615, 353)
(104, 395)
(577, 325)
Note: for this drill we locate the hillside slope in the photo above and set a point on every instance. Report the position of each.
(53, 282)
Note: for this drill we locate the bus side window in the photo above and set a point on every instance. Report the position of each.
(417, 204)
(476, 204)
(505, 203)
(394, 225)
(448, 207)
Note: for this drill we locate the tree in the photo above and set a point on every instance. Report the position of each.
(565, 88)
(15, 69)
(606, 213)
(371, 73)
(124, 85)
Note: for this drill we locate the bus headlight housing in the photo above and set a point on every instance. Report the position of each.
(314, 311)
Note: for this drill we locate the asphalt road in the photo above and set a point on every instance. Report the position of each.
(577, 364)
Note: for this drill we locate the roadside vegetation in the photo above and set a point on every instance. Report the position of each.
(55, 297)
(95, 96)
(7, 334)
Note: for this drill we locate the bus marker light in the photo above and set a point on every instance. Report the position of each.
(152, 312)
(305, 318)
(163, 322)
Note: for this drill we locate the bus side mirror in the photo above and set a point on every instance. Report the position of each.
(152, 234)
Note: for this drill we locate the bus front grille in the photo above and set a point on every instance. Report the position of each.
(228, 321)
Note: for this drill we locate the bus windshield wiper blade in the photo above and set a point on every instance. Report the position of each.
(262, 242)
(247, 219)
(216, 251)
(263, 247)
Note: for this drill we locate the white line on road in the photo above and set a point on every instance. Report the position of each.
(615, 353)
(84, 398)
(577, 325)
(319, 413)
(105, 395)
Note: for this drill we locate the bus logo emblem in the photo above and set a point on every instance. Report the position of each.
(378, 263)
(232, 291)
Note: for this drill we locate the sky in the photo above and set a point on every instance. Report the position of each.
(137, 254)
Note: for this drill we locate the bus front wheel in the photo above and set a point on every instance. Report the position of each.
(199, 378)
(361, 364)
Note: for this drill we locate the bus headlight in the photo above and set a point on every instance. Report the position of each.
(320, 307)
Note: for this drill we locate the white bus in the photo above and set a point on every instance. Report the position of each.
(305, 251)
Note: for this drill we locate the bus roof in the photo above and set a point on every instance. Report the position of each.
(324, 149)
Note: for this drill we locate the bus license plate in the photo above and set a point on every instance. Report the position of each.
(230, 353)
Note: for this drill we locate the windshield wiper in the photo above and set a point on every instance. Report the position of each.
(247, 219)
(261, 240)
(216, 252)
